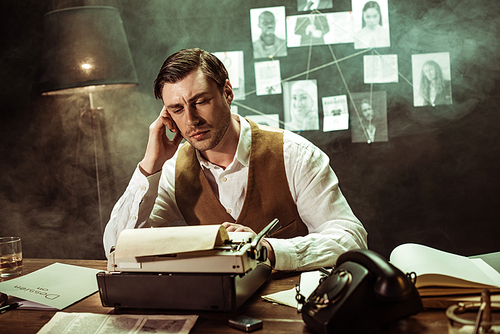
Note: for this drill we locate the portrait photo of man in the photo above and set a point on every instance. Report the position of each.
(312, 29)
(268, 32)
(368, 117)
(317, 29)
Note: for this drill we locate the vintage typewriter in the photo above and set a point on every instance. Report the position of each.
(185, 268)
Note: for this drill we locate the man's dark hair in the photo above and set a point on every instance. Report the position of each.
(183, 62)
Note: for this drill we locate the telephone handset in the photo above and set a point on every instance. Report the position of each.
(362, 293)
(389, 283)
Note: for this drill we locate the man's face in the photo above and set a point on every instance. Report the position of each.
(199, 109)
(367, 111)
(267, 24)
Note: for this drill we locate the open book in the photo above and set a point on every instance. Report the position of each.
(444, 274)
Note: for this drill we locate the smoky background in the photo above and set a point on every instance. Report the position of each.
(434, 182)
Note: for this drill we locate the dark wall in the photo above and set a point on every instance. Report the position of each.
(434, 182)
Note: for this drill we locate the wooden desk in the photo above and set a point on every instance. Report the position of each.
(277, 318)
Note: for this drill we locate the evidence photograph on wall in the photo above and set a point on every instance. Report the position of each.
(368, 117)
(431, 79)
(268, 32)
(300, 100)
(335, 113)
(380, 68)
(367, 27)
(309, 5)
(311, 29)
(341, 27)
(268, 77)
(371, 24)
(233, 61)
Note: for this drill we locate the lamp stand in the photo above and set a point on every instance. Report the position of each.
(94, 119)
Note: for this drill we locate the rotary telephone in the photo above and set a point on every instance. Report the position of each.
(364, 292)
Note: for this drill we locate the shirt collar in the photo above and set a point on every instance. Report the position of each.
(313, 4)
(242, 151)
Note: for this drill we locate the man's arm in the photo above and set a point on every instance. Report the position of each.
(301, 25)
(160, 148)
(321, 24)
(333, 227)
(134, 207)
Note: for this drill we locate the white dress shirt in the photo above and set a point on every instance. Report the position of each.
(333, 228)
(311, 5)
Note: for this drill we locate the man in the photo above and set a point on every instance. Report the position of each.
(312, 29)
(309, 5)
(233, 172)
(268, 44)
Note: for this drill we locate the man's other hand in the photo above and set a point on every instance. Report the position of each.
(232, 227)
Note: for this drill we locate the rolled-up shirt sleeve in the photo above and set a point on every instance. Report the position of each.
(132, 208)
(333, 227)
(147, 201)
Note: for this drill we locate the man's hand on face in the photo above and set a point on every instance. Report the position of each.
(160, 148)
(232, 227)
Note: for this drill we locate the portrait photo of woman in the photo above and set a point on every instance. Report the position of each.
(301, 105)
(374, 32)
(432, 84)
(433, 88)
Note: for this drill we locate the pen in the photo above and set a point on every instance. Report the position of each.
(6, 308)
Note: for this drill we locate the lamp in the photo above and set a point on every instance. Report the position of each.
(85, 49)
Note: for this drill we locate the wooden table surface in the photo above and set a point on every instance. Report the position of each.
(277, 318)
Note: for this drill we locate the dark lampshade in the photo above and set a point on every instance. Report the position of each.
(85, 48)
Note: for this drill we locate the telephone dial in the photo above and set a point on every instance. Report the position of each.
(363, 293)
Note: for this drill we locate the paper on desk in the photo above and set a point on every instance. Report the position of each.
(169, 240)
(29, 305)
(76, 323)
(57, 285)
(309, 281)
